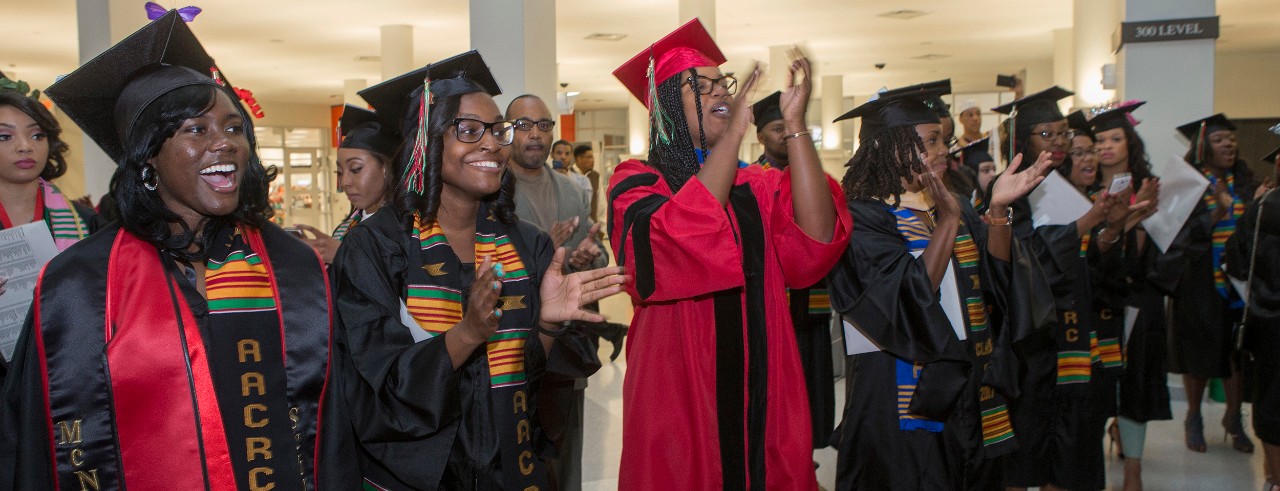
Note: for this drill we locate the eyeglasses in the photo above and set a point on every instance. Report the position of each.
(1079, 154)
(470, 130)
(1053, 135)
(526, 124)
(707, 84)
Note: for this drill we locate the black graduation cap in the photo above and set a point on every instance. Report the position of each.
(460, 74)
(1271, 157)
(361, 128)
(1117, 117)
(898, 107)
(1040, 107)
(975, 153)
(767, 110)
(1217, 122)
(932, 93)
(106, 96)
(1080, 124)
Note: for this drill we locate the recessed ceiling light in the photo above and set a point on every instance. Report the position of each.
(902, 14)
(603, 36)
(369, 58)
(930, 57)
(275, 40)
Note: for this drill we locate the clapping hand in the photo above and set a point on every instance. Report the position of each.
(562, 230)
(1011, 184)
(587, 250)
(564, 295)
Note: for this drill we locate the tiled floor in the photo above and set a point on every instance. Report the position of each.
(1168, 465)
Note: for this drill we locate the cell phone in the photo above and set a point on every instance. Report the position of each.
(294, 231)
(1119, 183)
(1006, 81)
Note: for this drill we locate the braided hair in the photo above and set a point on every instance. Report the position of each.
(877, 169)
(676, 160)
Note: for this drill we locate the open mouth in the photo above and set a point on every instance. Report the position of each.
(486, 165)
(221, 177)
(720, 110)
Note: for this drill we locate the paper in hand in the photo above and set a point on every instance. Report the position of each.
(1056, 202)
(24, 250)
(1181, 189)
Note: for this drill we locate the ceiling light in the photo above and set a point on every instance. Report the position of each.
(930, 57)
(902, 14)
(602, 36)
(369, 58)
(573, 93)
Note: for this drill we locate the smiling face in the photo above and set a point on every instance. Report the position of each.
(363, 177)
(1084, 162)
(935, 147)
(474, 169)
(199, 169)
(1222, 144)
(715, 106)
(1113, 149)
(971, 120)
(530, 148)
(24, 147)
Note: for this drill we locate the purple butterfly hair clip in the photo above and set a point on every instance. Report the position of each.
(188, 14)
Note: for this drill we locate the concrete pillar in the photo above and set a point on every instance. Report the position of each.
(1064, 61)
(397, 50)
(704, 10)
(832, 107)
(1094, 22)
(99, 24)
(637, 127)
(350, 87)
(518, 41)
(1174, 77)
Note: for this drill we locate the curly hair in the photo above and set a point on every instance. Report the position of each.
(882, 161)
(144, 214)
(442, 114)
(1139, 163)
(676, 160)
(57, 164)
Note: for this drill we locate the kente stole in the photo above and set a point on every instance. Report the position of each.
(1222, 231)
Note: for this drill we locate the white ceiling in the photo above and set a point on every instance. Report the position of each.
(300, 51)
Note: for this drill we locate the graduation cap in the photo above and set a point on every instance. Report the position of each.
(1040, 107)
(899, 107)
(1080, 124)
(361, 128)
(460, 74)
(404, 102)
(1116, 117)
(1197, 131)
(107, 95)
(767, 110)
(932, 93)
(975, 153)
(687, 47)
(1271, 157)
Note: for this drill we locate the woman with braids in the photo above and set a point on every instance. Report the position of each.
(714, 396)
(1204, 303)
(211, 369)
(928, 408)
(1058, 400)
(447, 305)
(365, 174)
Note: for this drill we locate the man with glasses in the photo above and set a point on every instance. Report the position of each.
(555, 204)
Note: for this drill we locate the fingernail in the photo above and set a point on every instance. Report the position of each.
(497, 313)
(497, 285)
(497, 268)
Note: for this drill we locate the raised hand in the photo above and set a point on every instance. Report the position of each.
(562, 230)
(587, 250)
(795, 97)
(564, 295)
(1011, 184)
(943, 201)
(1148, 200)
(482, 316)
(740, 115)
(324, 245)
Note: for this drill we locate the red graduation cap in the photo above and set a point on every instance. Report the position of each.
(687, 47)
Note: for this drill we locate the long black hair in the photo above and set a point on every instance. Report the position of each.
(676, 160)
(57, 164)
(1139, 163)
(882, 161)
(443, 112)
(144, 214)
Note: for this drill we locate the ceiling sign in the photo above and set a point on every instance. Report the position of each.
(1165, 30)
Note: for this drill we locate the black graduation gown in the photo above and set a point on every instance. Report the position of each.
(1262, 330)
(1200, 319)
(66, 378)
(811, 317)
(420, 424)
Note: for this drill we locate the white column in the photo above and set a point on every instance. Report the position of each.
(350, 87)
(1094, 22)
(637, 127)
(397, 50)
(832, 107)
(1064, 61)
(704, 10)
(1174, 77)
(518, 41)
(99, 24)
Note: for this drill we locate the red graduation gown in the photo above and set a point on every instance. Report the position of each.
(692, 264)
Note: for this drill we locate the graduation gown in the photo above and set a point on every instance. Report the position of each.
(811, 316)
(1262, 331)
(420, 423)
(1200, 318)
(140, 405)
(714, 395)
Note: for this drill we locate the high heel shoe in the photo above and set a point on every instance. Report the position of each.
(1117, 447)
(1194, 428)
(1235, 432)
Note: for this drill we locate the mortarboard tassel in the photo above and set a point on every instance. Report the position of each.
(414, 173)
(1013, 128)
(657, 117)
(1200, 152)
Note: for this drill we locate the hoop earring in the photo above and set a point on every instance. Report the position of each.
(149, 179)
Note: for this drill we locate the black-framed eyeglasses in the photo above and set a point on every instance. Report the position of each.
(1054, 135)
(707, 84)
(1081, 153)
(526, 124)
(469, 130)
